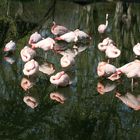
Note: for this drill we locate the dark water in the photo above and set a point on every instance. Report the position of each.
(85, 114)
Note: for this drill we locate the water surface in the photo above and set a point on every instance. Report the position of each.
(85, 114)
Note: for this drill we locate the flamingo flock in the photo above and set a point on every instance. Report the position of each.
(31, 66)
(60, 78)
(110, 72)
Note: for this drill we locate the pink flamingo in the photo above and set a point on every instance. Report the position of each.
(102, 27)
(27, 53)
(136, 49)
(58, 29)
(30, 101)
(112, 51)
(131, 69)
(57, 97)
(105, 69)
(68, 37)
(105, 43)
(26, 84)
(45, 44)
(130, 100)
(67, 61)
(60, 79)
(31, 67)
(34, 38)
(10, 47)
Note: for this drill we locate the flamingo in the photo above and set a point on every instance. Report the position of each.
(131, 70)
(102, 27)
(31, 67)
(27, 54)
(112, 51)
(67, 61)
(105, 69)
(60, 79)
(68, 37)
(45, 44)
(34, 38)
(10, 46)
(102, 46)
(58, 29)
(136, 49)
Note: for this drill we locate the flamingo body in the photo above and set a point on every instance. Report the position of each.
(45, 44)
(10, 46)
(27, 53)
(60, 79)
(31, 67)
(34, 38)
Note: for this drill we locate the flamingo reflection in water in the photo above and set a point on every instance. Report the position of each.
(30, 101)
(130, 100)
(57, 97)
(47, 68)
(68, 58)
(103, 88)
(9, 59)
(26, 83)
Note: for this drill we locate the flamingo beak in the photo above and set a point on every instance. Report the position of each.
(5, 50)
(33, 46)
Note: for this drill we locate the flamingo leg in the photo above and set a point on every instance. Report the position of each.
(132, 84)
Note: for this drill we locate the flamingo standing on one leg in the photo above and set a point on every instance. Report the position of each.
(102, 27)
(136, 49)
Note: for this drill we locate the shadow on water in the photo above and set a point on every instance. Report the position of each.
(90, 109)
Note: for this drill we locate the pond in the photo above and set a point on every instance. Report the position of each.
(86, 109)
